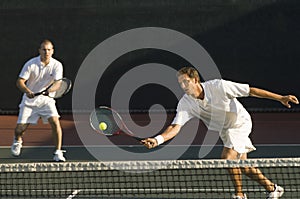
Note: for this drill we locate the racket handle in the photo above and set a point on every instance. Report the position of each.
(128, 134)
(41, 93)
(137, 138)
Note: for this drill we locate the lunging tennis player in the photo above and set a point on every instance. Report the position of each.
(202, 100)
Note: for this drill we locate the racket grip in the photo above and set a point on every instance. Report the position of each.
(41, 93)
(36, 94)
(137, 138)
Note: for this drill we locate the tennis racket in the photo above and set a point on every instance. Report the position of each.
(57, 89)
(113, 122)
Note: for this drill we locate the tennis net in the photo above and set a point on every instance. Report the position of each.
(143, 179)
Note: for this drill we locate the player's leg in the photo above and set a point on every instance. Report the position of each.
(235, 173)
(19, 131)
(26, 116)
(56, 131)
(57, 138)
(256, 174)
(50, 114)
(18, 142)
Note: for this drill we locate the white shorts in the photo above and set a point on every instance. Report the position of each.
(31, 114)
(238, 139)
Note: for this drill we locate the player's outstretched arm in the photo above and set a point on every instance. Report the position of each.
(168, 134)
(284, 99)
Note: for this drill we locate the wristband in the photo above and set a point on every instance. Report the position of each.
(160, 139)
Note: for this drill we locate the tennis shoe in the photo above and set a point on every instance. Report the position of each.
(239, 197)
(16, 148)
(59, 156)
(277, 193)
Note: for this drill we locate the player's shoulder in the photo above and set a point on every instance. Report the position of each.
(55, 63)
(32, 63)
(216, 82)
(213, 83)
(33, 60)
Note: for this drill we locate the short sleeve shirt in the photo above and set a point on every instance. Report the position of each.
(219, 110)
(39, 77)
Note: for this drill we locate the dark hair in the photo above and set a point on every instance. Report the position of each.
(189, 71)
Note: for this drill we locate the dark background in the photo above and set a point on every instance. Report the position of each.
(250, 41)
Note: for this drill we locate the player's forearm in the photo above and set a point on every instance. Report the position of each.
(22, 86)
(170, 132)
(261, 93)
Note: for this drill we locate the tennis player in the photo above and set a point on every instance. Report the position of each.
(201, 100)
(37, 74)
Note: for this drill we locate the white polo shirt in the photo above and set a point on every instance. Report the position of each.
(219, 110)
(39, 77)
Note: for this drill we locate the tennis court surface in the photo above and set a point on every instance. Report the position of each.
(33, 175)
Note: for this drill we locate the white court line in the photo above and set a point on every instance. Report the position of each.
(74, 194)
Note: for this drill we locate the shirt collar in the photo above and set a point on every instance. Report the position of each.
(49, 64)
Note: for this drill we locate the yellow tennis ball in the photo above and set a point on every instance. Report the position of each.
(102, 126)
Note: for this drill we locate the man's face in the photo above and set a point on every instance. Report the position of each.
(46, 51)
(188, 85)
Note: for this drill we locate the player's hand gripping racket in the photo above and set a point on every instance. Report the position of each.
(107, 121)
(57, 89)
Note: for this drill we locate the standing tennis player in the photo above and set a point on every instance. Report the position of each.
(201, 100)
(37, 74)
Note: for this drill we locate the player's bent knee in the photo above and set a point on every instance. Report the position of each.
(20, 128)
(54, 122)
(250, 171)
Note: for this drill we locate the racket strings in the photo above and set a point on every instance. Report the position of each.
(59, 88)
(106, 116)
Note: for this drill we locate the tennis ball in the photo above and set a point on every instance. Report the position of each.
(102, 126)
